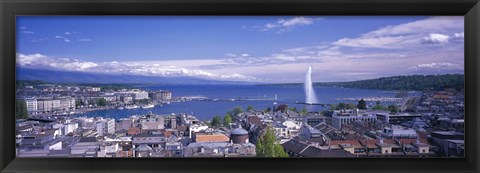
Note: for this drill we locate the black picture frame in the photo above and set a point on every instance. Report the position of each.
(11, 8)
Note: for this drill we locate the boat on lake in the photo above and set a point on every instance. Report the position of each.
(148, 106)
(131, 107)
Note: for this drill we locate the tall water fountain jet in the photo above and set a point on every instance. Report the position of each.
(310, 98)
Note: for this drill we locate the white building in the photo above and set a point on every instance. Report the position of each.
(32, 105)
(139, 95)
(196, 128)
(67, 103)
(44, 105)
(105, 126)
(342, 117)
(399, 132)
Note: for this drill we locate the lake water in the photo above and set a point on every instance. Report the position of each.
(251, 95)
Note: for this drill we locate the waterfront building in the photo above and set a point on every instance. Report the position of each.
(67, 103)
(32, 105)
(155, 95)
(139, 95)
(126, 99)
(342, 117)
(166, 95)
(44, 105)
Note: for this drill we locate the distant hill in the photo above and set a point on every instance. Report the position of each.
(413, 82)
(80, 77)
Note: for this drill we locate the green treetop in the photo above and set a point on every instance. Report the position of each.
(237, 110)
(216, 121)
(362, 104)
(227, 119)
(267, 145)
(21, 109)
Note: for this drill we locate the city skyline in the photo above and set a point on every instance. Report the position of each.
(270, 49)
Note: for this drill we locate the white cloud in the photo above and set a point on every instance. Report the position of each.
(28, 32)
(459, 35)
(39, 61)
(245, 55)
(282, 25)
(407, 35)
(65, 39)
(45, 62)
(85, 40)
(436, 38)
(68, 33)
(25, 30)
(440, 65)
(231, 55)
(295, 21)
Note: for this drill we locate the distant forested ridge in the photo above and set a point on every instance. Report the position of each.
(413, 82)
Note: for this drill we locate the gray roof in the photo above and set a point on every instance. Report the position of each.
(88, 139)
(143, 147)
(239, 131)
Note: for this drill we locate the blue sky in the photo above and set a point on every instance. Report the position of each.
(254, 48)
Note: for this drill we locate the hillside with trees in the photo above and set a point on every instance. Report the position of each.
(413, 82)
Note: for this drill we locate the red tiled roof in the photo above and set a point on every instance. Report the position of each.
(134, 131)
(167, 134)
(211, 138)
(354, 143)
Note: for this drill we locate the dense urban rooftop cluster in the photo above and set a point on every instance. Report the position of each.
(431, 125)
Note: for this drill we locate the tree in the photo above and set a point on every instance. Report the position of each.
(267, 145)
(268, 109)
(393, 108)
(21, 109)
(294, 109)
(227, 119)
(304, 111)
(249, 108)
(351, 106)
(341, 106)
(101, 102)
(237, 110)
(362, 104)
(379, 106)
(216, 121)
(282, 108)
